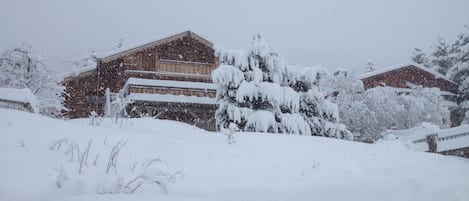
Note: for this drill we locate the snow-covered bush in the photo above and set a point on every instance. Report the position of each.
(259, 91)
(21, 68)
(371, 112)
(230, 133)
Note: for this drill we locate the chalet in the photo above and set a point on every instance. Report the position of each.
(169, 78)
(411, 75)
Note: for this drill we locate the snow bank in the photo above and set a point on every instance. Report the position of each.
(19, 95)
(256, 167)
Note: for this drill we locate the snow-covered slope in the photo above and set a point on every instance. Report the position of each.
(36, 163)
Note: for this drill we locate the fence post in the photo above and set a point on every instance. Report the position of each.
(432, 141)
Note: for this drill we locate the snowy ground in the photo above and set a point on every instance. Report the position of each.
(36, 163)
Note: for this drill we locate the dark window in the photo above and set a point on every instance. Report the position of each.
(95, 99)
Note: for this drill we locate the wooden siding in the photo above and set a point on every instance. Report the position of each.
(186, 49)
(79, 94)
(183, 58)
(183, 67)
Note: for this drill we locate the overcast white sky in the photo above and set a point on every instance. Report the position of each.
(333, 33)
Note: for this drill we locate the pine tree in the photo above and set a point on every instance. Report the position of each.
(452, 61)
(259, 91)
(120, 43)
(443, 56)
(21, 68)
(464, 101)
(460, 69)
(418, 56)
(370, 66)
(460, 74)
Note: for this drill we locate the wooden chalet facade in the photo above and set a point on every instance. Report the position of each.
(168, 78)
(412, 74)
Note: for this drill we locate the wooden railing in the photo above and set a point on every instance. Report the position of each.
(451, 137)
(173, 91)
(435, 139)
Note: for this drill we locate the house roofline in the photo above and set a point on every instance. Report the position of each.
(399, 66)
(134, 48)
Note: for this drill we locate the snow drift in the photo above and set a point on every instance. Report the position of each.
(175, 161)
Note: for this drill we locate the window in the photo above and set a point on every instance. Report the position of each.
(95, 100)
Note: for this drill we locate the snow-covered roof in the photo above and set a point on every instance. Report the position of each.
(169, 98)
(136, 47)
(169, 83)
(160, 40)
(19, 95)
(78, 71)
(396, 67)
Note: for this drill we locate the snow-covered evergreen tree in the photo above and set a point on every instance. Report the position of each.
(453, 61)
(21, 68)
(418, 56)
(443, 57)
(370, 66)
(460, 69)
(459, 73)
(120, 43)
(464, 104)
(259, 91)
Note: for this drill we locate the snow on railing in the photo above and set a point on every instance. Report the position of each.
(453, 136)
(446, 139)
(169, 98)
(166, 83)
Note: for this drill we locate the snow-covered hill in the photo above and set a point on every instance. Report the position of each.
(165, 160)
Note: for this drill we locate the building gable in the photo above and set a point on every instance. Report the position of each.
(177, 38)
